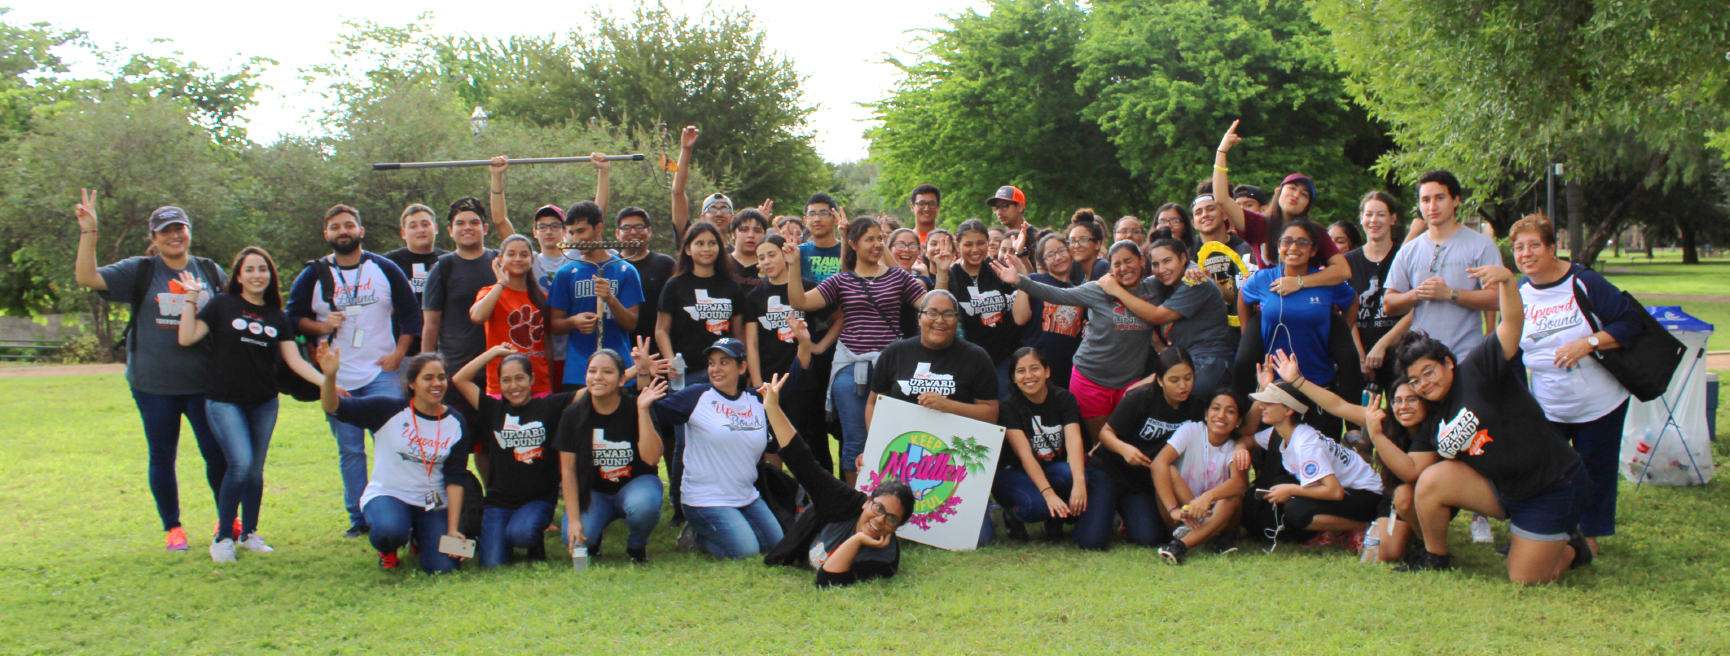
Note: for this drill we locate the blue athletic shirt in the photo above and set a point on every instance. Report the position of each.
(1298, 323)
(573, 292)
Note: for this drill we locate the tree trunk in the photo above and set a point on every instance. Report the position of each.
(1613, 219)
(99, 327)
(1576, 195)
(1689, 254)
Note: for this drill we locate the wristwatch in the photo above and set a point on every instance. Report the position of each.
(1593, 340)
(1454, 295)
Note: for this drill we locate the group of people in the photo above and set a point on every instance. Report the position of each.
(1239, 369)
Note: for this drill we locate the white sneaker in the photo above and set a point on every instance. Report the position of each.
(222, 551)
(256, 544)
(1481, 530)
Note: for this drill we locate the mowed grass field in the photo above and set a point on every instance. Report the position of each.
(82, 569)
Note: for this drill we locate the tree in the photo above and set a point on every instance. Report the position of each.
(1490, 89)
(29, 70)
(992, 100)
(1168, 77)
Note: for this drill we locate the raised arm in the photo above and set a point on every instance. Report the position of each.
(464, 380)
(192, 328)
(1513, 313)
(84, 268)
(1078, 296)
(1287, 367)
(681, 203)
(604, 170)
(649, 445)
(501, 222)
(482, 310)
(1222, 179)
(329, 361)
(801, 299)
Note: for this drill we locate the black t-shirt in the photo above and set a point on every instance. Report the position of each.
(1369, 280)
(522, 467)
(453, 291)
(961, 372)
(1146, 421)
(605, 445)
(1491, 422)
(654, 269)
(702, 310)
(747, 274)
(1055, 330)
(987, 317)
(1043, 423)
(416, 266)
(766, 311)
(836, 533)
(244, 349)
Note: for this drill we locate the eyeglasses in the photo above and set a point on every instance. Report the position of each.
(634, 227)
(925, 203)
(1430, 374)
(1291, 241)
(1411, 399)
(549, 226)
(1057, 256)
(820, 214)
(1169, 223)
(878, 508)
(905, 247)
(934, 315)
(1125, 233)
(1079, 241)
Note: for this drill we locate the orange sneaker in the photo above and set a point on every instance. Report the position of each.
(177, 539)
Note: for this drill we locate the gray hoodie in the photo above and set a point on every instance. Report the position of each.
(1114, 348)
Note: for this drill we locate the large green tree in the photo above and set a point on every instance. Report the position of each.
(1497, 89)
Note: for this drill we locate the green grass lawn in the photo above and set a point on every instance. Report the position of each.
(84, 571)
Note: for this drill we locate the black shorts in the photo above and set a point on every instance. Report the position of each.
(1552, 515)
(1358, 506)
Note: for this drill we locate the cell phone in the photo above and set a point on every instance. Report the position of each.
(1261, 493)
(456, 548)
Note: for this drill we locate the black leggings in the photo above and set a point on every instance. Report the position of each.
(1358, 506)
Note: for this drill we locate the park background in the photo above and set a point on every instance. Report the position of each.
(1110, 105)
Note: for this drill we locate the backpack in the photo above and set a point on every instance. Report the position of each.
(141, 287)
(288, 382)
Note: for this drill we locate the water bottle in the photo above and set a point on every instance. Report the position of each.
(1373, 541)
(579, 558)
(676, 380)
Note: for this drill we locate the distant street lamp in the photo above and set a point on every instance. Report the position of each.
(478, 120)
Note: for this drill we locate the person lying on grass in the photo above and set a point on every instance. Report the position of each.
(1395, 524)
(522, 476)
(1336, 489)
(846, 535)
(1200, 476)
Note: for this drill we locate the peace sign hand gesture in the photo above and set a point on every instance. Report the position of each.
(86, 210)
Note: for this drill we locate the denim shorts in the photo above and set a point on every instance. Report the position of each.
(1551, 516)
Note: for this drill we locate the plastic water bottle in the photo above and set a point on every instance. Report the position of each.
(1373, 541)
(676, 380)
(580, 558)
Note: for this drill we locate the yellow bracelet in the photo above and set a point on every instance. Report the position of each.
(1221, 169)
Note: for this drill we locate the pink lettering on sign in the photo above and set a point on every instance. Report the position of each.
(933, 468)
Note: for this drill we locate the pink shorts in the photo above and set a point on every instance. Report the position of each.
(1095, 400)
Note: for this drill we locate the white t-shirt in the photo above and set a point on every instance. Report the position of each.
(1202, 465)
(1554, 319)
(1421, 259)
(1311, 457)
(413, 452)
(724, 440)
(363, 294)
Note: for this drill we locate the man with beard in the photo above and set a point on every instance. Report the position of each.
(363, 303)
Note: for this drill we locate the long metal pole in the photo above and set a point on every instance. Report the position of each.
(487, 162)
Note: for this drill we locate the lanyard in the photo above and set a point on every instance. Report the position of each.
(342, 283)
(414, 437)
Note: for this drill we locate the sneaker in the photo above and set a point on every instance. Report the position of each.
(1324, 539)
(177, 539)
(1582, 551)
(639, 555)
(1173, 553)
(1180, 532)
(237, 530)
(539, 552)
(222, 551)
(256, 544)
(357, 530)
(216, 531)
(687, 538)
(1422, 560)
(1481, 530)
(1053, 530)
(1225, 542)
(1354, 542)
(1014, 527)
(387, 560)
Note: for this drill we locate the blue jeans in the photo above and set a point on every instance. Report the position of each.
(351, 446)
(735, 532)
(676, 464)
(392, 520)
(1021, 499)
(243, 432)
(638, 502)
(1004, 368)
(503, 529)
(161, 415)
(1599, 443)
(1210, 373)
(1141, 520)
(850, 398)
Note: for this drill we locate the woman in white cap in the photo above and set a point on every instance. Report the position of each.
(1335, 490)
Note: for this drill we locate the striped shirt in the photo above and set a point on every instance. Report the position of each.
(872, 307)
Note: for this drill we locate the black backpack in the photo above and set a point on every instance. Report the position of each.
(288, 382)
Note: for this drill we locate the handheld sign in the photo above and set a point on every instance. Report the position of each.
(1226, 267)
(948, 460)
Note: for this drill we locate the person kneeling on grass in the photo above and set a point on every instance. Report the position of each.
(1137, 431)
(522, 475)
(1335, 490)
(418, 443)
(1043, 427)
(1201, 477)
(1493, 450)
(846, 535)
(608, 450)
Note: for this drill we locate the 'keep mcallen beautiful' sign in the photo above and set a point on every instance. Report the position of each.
(948, 460)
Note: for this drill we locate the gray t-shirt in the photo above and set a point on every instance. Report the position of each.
(1420, 259)
(453, 293)
(836, 533)
(1204, 331)
(544, 267)
(1114, 347)
(159, 364)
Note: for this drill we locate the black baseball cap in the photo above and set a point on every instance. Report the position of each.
(168, 215)
(1253, 192)
(733, 348)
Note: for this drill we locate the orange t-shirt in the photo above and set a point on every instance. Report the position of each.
(517, 321)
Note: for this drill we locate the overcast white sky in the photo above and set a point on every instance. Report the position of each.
(835, 45)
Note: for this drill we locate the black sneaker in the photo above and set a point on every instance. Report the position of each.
(639, 555)
(536, 552)
(1016, 528)
(1225, 542)
(357, 530)
(1422, 560)
(1173, 553)
(1053, 530)
(1582, 551)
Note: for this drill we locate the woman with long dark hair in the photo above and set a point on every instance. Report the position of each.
(248, 334)
(608, 449)
(1300, 323)
(702, 302)
(1200, 478)
(1086, 240)
(514, 311)
(1053, 329)
(1172, 221)
(986, 299)
(1373, 331)
(1193, 316)
(1138, 431)
(1047, 479)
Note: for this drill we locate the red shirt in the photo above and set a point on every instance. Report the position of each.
(518, 321)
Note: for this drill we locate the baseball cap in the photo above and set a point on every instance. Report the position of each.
(733, 348)
(1283, 394)
(1009, 193)
(717, 199)
(1252, 191)
(1299, 178)
(550, 210)
(168, 215)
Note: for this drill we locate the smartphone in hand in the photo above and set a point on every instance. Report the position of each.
(456, 548)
